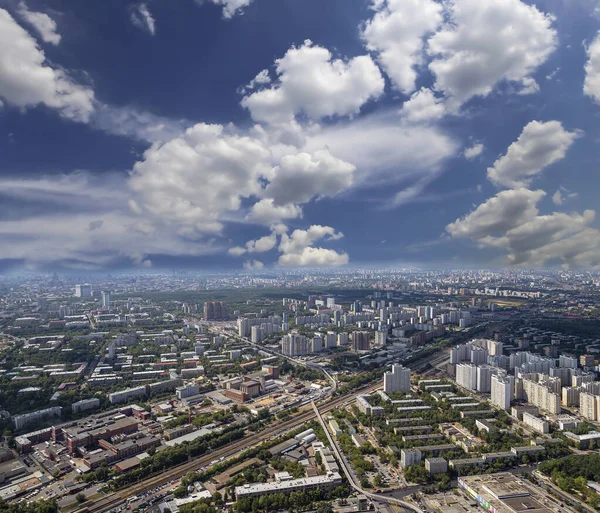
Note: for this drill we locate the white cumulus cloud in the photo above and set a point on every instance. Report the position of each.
(27, 80)
(266, 212)
(253, 265)
(41, 22)
(539, 145)
(473, 151)
(561, 195)
(423, 106)
(499, 214)
(485, 42)
(311, 82)
(199, 177)
(510, 222)
(303, 176)
(396, 33)
(591, 85)
(86, 224)
(297, 249)
(262, 245)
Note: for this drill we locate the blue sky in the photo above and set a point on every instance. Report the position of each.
(289, 133)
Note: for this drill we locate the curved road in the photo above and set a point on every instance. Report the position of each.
(350, 476)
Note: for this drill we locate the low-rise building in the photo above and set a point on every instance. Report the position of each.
(536, 423)
(327, 482)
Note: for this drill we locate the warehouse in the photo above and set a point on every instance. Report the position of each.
(327, 482)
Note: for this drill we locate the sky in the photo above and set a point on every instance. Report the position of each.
(257, 134)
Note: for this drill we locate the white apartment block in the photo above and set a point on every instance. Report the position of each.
(535, 423)
(539, 395)
(570, 396)
(569, 362)
(484, 378)
(589, 406)
(124, 395)
(398, 380)
(409, 457)
(502, 391)
(466, 376)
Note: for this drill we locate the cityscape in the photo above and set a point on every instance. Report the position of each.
(348, 390)
(299, 256)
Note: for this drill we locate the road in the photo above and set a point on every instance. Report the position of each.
(547, 483)
(350, 474)
(234, 449)
(291, 359)
(231, 450)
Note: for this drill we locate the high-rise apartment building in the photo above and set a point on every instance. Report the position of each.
(571, 396)
(569, 362)
(330, 340)
(466, 375)
(540, 395)
(316, 344)
(294, 344)
(360, 341)
(589, 406)
(484, 378)
(256, 334)
(83, 290)
(502, 390)
(105, 297)
(243, 327)
(215, 311)
(398, 380)
(380, 338)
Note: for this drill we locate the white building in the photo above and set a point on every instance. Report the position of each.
(466, 375)
(484, 378)
(256, 334)
(85, 404)
(187, 391)
(105, 295)
(398, 380)
(294, 344)
(409, 457)
(540, 395)
(589, 406)
(83, 290)
(535, 423)
(502, 391)
(330, 340)
(36, 416)
(243, 327)
(436, 465)
(287, 486)
(567, 361)
(124, 395)
(316, 344)
(342, 339)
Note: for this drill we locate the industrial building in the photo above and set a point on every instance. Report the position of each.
(327, 482)
(506, 493)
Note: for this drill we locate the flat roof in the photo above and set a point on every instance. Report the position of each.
(284, 485)
(509, 494)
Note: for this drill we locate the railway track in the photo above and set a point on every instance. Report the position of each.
(235, 448)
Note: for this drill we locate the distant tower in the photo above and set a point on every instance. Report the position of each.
(83, 290)
(105, 299)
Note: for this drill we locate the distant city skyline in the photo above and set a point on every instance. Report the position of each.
(142, 136)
